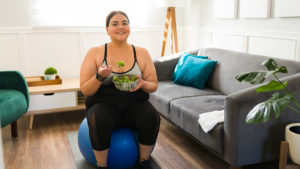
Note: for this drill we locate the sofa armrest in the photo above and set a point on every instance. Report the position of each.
(165, 65)
(254, 143)
(14, 80)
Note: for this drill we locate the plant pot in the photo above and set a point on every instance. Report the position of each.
(49, 77)
(292, 136)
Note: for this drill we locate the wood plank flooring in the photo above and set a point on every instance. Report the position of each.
(46, 146)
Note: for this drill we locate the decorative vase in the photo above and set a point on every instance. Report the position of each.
(49, 77)
(292, 136)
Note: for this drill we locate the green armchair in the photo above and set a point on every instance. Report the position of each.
(14, 99)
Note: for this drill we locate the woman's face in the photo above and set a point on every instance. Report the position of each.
(118, 28)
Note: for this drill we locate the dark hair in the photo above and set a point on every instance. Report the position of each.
(113, 13)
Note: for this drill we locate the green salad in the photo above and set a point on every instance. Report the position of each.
(125, 78)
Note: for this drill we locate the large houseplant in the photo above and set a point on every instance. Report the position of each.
(281, 99)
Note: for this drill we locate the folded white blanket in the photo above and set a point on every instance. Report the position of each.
(208, 120)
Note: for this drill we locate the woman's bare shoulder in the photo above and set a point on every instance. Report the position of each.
(139, 48)
(95, 52)
(141, 51)
(96, 49)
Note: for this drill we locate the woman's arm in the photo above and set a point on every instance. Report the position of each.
(149, 82)
(89, 85)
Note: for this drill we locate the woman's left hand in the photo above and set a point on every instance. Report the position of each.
(140, 84)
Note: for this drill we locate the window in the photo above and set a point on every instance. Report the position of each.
(87, 12)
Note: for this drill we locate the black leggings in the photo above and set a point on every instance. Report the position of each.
(103, 118)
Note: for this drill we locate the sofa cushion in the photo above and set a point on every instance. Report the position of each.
(184, 112)
(165, 66)
(181, 63)
(168, 91)
(195, 72)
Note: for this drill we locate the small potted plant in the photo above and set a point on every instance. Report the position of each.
(282, 98)
(125, 82)
(50, 73)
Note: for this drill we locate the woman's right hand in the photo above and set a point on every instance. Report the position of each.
(105, 70)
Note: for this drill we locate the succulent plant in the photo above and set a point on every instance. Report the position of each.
(50, 71)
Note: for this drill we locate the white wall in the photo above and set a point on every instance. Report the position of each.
(201, 13)
(31, 46)
(20, 13)
(15, 13)
(278, 37)
(31, 50)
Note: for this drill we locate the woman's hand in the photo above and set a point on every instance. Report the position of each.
(104, 70)
(140, 84)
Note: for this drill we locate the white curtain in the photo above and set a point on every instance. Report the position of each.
(89, 12)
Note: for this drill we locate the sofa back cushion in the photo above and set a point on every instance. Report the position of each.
(165, 66)
(231, 63)
(181, 63)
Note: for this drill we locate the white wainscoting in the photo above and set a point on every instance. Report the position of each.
(58, 49)
(284, 45)
(281, 48)
(10, 51)
(32, 50)
(195, 38)
(90, 39)
(228, 41)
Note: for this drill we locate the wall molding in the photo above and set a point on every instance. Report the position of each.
(297, 50)
(247, 34)
(79, 29)
(149, 37)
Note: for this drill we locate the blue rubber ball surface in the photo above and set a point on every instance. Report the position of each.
(123, 150)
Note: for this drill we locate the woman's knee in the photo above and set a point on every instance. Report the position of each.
(146, 116)
(148, 127)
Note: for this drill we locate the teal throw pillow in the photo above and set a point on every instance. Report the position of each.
(181, 61)
(195, 72)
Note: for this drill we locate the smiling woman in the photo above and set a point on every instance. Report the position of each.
(109, 107)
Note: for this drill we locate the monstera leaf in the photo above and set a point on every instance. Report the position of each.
(274, 106)
(271, 65)
(272, 86)
(258, 77)
(254, 77)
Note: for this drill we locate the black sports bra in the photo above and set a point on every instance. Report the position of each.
(134, 66)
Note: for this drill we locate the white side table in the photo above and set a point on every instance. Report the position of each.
(54, 98)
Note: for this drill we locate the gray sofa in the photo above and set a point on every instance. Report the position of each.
(234, 141)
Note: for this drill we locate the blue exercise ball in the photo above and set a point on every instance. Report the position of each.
(123, 150)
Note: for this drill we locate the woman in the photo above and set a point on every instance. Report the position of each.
(107, 107)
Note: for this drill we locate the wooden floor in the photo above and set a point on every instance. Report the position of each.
(47, 146)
